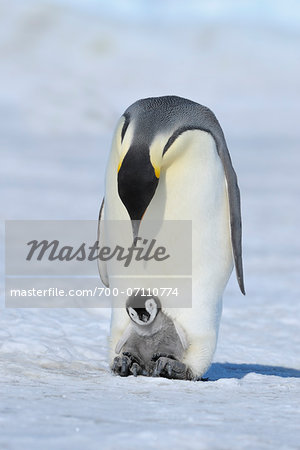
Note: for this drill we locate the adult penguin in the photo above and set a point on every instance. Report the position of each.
(169, 161)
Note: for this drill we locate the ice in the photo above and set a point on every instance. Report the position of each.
(68, 70)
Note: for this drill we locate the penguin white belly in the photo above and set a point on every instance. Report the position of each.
(192, 187)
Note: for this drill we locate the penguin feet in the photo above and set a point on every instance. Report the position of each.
(136, 370)
(126, 365)
(121, 366)
(156, 356)
(136, 364)
(171, 368)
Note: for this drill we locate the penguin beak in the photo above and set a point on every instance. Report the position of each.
(135, 229)
(137, 183)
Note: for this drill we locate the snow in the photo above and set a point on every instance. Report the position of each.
(68, 70)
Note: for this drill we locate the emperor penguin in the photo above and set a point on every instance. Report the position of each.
(152, 344)
(169, 161)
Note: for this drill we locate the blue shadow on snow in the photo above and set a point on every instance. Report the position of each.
(230, 370)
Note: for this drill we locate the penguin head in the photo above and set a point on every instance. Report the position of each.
(137, 181)
(143, 310)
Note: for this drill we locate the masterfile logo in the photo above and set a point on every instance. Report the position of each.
(53, 251)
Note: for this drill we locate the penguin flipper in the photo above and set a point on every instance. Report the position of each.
(101, 264)
(235, 211)
(182, 335)
(123, 339)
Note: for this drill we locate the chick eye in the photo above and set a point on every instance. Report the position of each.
(132, 314)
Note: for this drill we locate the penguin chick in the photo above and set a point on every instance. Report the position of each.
(152, 344)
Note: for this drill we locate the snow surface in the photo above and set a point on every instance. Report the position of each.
(68, 70)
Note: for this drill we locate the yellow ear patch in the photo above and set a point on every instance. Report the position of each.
(157, 171)
(121, 161)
